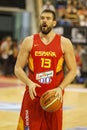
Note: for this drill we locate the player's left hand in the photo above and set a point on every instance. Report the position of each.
(58, 93)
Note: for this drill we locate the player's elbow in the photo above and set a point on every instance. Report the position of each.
(74, 71)
(16, 70)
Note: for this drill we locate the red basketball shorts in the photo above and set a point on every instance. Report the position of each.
(32, 117)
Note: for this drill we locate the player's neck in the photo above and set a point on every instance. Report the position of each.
(47, 38)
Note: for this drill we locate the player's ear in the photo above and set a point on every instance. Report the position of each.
(54, 23)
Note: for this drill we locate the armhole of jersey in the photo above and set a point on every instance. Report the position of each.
(61, 45)
(34, 38)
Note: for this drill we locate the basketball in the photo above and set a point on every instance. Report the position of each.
(49, 102)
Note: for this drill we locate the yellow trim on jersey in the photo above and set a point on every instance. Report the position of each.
(20, 124)
(60, 64)
(30, 63)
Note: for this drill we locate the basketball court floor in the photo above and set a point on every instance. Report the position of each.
(11, 94)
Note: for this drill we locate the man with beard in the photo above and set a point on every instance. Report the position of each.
(45, 53)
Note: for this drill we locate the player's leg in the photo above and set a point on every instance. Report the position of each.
(24, 114)
(32, 115)
(54, 120)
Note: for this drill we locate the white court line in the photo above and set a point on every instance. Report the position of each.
(83, 90)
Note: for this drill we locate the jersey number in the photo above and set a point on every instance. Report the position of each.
(45, 63)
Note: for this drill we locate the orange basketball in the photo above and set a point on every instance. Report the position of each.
(49, 102)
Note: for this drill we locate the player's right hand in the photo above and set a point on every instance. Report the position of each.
(32, 87)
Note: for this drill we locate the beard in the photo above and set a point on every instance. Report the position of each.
(45, 30)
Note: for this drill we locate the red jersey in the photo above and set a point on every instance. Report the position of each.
(46, 64)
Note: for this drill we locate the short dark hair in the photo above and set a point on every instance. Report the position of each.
(50, 11)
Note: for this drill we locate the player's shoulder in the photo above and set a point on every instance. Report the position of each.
(66, 43)
(65, 40)
(27, 42)
(28, 38)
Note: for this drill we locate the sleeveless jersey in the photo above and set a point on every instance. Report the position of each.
(46, 64)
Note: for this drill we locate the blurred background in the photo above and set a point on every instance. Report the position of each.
(19, 18)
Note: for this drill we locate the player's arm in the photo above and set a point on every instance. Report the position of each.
(21, 62)
(70, 61)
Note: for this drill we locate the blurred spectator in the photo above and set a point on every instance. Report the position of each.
(13, 52)
(48, 5)
(61, 12)
(5, 47)
(83, 21)
(8, 55)
(82, 14)
(84, 2)
(71, 14)
(78, 58)
(79, 51)
(63, 21)
(0, 60)
(60, 4)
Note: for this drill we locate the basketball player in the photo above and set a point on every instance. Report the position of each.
(46, 53)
